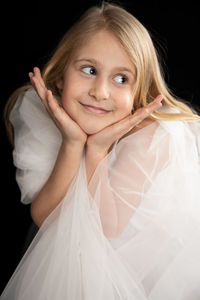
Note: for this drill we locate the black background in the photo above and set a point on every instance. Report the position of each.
(29, 35)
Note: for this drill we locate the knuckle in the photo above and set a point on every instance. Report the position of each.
(56, 110)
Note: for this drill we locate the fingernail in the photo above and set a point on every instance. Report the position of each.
(160, 98)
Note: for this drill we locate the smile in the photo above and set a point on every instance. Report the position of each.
(95, 110)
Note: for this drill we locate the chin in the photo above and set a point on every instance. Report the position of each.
(89, 130)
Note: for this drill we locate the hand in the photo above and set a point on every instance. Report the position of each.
(101, 141)
(70, 130)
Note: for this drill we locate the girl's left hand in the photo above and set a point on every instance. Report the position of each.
(101, 141)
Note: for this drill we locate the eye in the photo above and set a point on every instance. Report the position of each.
(121, 79)
(89, 70)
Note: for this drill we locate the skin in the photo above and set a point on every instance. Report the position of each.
(98, 78)
(97, 82)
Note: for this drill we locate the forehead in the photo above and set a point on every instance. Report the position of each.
(105, 48)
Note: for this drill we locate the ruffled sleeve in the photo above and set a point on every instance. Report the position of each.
(36, 144)
(132, 233)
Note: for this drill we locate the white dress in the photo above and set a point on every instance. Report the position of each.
(133, 233)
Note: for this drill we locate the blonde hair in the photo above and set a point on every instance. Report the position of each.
(137, 43)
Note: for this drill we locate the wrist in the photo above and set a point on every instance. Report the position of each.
(72, 144)
(94, 151)
(93, 157)
(69, 146)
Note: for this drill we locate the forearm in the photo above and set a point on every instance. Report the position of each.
(54, 190)
(92, 159)
(107, 205)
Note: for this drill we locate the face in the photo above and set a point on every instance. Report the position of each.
(97, 89)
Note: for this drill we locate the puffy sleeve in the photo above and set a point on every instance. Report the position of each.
(36, 144)
(126, 176)
(149, 173)
(138, 218)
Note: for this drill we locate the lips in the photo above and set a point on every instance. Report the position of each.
(94, 109)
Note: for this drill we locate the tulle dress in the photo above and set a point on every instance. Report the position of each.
(132, 233)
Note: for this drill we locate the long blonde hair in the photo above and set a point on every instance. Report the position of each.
(137, 43)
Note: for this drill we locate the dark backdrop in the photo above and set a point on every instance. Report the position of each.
(29, 35)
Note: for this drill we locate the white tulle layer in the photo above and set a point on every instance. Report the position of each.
(132, 233)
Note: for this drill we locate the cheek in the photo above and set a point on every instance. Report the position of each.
(67, 96)
(69, 88)
(125, 103)
(73, 90)
(65, 100)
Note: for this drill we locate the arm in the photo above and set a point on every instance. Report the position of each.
(107, 209)
(68, 159)
(52, 193)
(98, 146)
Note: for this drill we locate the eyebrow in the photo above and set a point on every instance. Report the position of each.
(95, 62)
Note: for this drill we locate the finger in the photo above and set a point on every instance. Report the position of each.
(144, 112)
(30, 74)
(38, 75)
(156, 103)
(56, 110)
(124, 126)
(41, 91)
(38, 84)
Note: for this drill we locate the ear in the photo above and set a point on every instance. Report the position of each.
(59, 84)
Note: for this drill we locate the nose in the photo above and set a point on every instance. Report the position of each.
(99, 89)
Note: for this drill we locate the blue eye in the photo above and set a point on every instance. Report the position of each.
(89, 70)
(121, 79)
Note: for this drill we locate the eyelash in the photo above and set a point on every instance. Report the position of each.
(91, 67)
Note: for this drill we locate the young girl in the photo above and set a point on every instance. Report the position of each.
(112, 174)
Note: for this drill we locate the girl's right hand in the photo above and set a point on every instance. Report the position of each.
(70, 130)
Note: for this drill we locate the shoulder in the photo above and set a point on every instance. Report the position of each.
(184, 138)
(29, 98)
(27, 107)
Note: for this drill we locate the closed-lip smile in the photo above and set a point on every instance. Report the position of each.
(94, 109)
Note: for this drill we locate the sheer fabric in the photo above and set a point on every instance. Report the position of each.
(132, 233)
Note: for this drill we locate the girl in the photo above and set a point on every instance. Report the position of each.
(112, 174)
